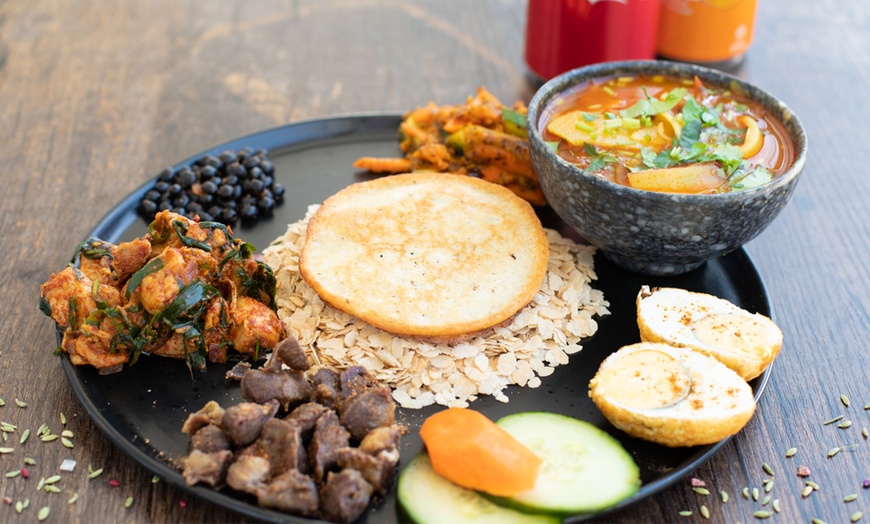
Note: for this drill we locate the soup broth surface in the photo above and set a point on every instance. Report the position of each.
(668, 134)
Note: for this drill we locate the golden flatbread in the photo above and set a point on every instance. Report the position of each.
(424, 254)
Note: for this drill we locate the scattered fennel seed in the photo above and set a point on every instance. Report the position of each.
(723, 495)
(831, 421)
(767, 469)
(856, 516)
(775, 505)
(62, 418)
(806, 491)
(94, 473)
(20, 403)
(13, 474)
(818, 521)
(701, 491)
(40, 484)
(52, 479)
(833, 451)
(850, 497)
(866, 406)
(3, 403)
(813, 484)
(155, 479)
(865, 433)
(128, 502)
(754, 493)
(51, 489)
(48, 438)
(768, 485)
(67, 443)
(685, 513)
(845, 400)
(24, 436)
(29, 461)
(762, 514)
(43, 513)
(765, 500)
(43, 429)
(73, 499)
(845, 424)
(19, 507)
(705, 511)
(26, 503)
(67, 433)
(7, 450)
(791, 452)
(745, 493)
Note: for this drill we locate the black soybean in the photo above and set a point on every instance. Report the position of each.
(222, 187)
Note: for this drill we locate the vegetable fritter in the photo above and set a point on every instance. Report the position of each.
(481, 138)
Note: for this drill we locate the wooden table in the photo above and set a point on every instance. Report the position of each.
(97, 97)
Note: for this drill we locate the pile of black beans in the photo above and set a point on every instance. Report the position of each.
(226, 188)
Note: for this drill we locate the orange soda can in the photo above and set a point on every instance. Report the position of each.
(712, 32)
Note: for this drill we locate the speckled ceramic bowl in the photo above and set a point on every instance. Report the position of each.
(650, 232)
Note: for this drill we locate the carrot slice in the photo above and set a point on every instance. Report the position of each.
(470, 450)
(754, 140)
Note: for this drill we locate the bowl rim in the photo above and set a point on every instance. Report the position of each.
(558, 85)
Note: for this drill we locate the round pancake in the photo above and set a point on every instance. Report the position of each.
(425, 254)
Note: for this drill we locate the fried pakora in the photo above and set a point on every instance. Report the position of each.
(480, 138)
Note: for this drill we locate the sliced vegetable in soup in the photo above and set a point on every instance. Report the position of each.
(668, 134)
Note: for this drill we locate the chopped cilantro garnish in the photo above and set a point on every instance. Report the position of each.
(650, 106)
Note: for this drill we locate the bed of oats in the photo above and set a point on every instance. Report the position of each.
(539, 338)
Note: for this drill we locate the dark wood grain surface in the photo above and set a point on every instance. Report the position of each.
(97, 97)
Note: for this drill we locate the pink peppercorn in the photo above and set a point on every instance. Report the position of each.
(182, 503)
(25, 473)
(867, 484)
(7, 500)
(114, 483)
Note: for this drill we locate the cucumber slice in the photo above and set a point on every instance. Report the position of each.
(427, 497)
(584, 469)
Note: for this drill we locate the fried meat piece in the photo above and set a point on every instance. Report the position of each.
(248, 474)
(210, 468)
(329, 436)
(378, 470)
(244, 421)
(211, 413)
(364, 411)
(288, 387)
(281, 444)
(344, 496)
(210, 439)
(291, 491)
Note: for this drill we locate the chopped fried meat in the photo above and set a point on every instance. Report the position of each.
(291, 491)
(329, 436)
(243, 421)
(281, 443)
(210, 439)
(288, 387)
(305, 416)
(378, 470)
(344, 496)
(367, 410)
(327, 387)
(210, 468)
(211, 413)
(249, 474)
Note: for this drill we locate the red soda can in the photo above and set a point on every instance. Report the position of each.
(565, 34)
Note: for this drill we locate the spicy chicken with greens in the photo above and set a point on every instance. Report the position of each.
(187, 289)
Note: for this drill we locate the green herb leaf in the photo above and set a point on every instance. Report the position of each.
(181, 231)
(752, 179)
(44, 306)
(153, 266)
(651, 106)
(554, 145)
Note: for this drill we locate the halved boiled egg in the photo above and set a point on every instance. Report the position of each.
(745, 342)
(672, 396)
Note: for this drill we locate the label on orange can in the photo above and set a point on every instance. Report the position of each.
(705, 30)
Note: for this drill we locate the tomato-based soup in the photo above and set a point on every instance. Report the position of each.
(668, 134)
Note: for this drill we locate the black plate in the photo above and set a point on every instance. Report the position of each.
(142, 408)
